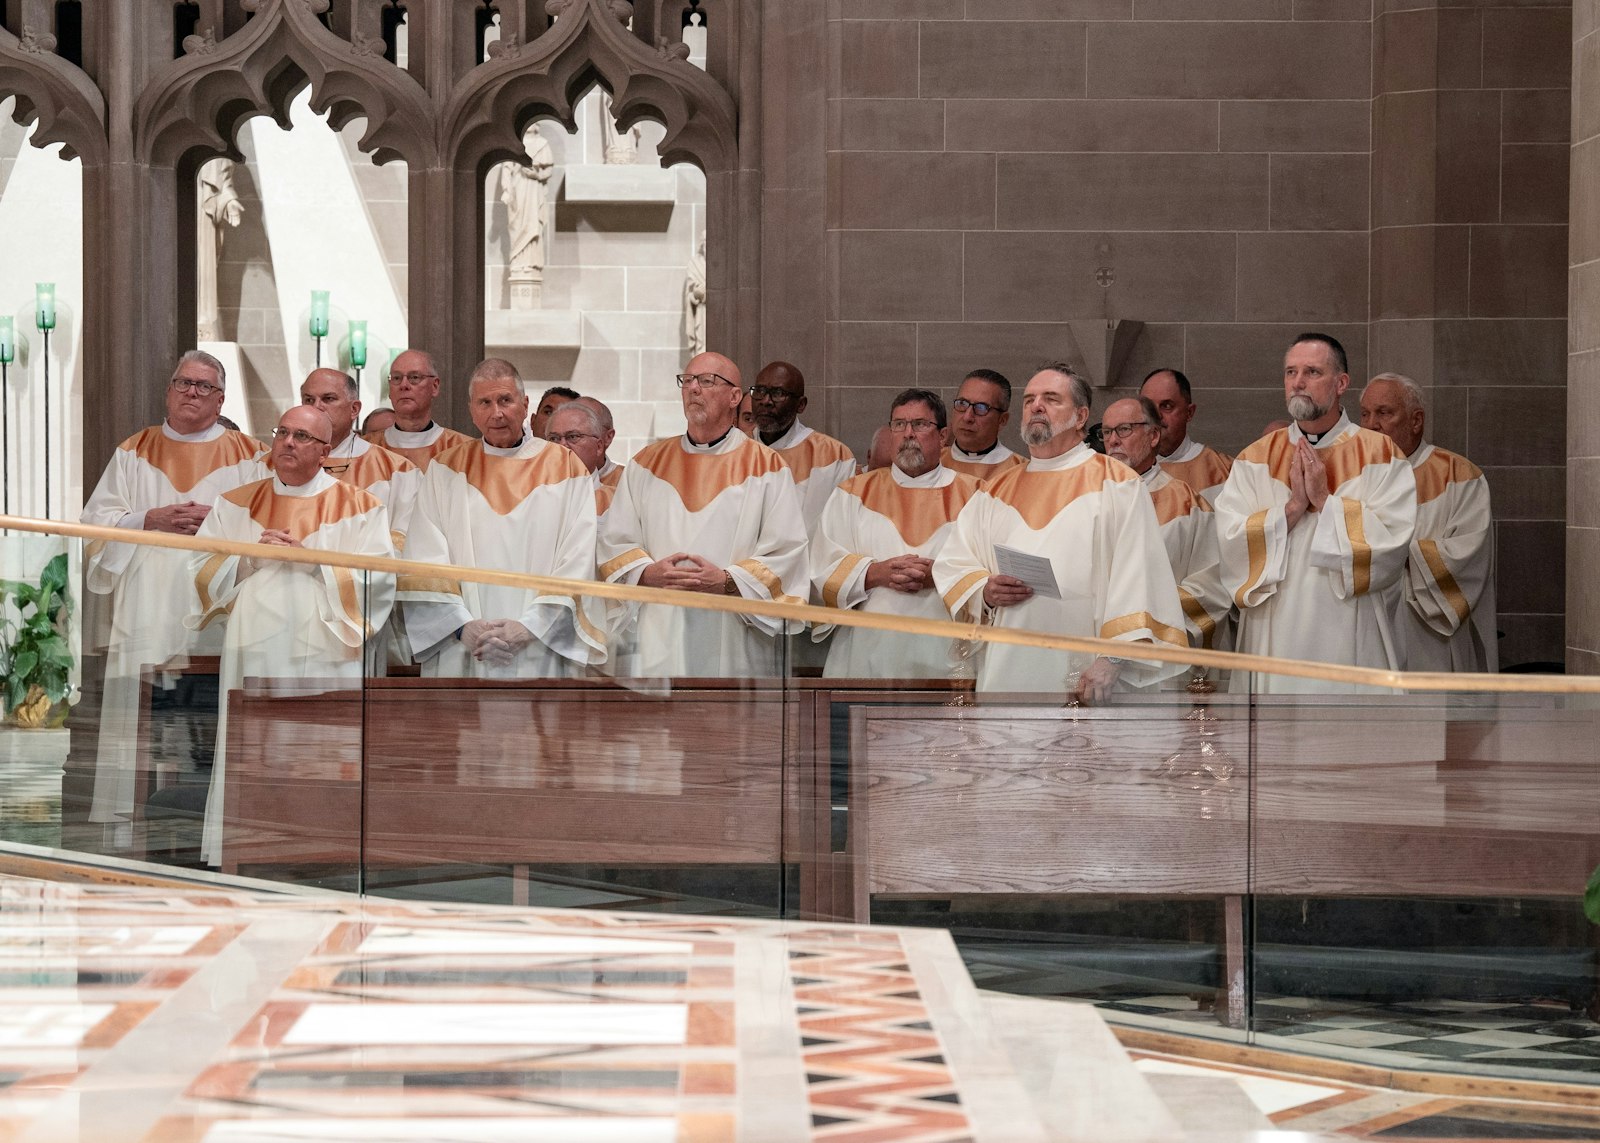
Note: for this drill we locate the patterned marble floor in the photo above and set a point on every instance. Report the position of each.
(150, 1014)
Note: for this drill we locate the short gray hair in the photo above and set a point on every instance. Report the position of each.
(595, 424)
(1082, 395)
(496, 369)
(201, 357)
(1411, 392)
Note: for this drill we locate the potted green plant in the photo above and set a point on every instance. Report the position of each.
(35, 657)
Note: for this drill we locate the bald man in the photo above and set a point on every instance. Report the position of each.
(290, 620)
(609, 472)
(819, 463)
(387, 475)
(413, 388)
(1447, 622)
(711, 511)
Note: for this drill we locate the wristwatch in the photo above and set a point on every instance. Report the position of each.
(728, 586)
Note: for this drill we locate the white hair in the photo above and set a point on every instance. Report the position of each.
(201, 357)
(1411, 392)
(593, 418)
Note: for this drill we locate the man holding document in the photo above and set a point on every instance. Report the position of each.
(1068, 545)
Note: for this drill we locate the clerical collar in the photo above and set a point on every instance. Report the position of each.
(1329, 435)
(506, 450)
(1149, 475)
(1187, 451)
(321, 482)
(962, 454)
(210, 433)
(422, 432)
(1073, 457)
(694, 446)
(936, 477)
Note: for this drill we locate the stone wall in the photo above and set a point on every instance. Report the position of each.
(1228, 172)
(1583, 362)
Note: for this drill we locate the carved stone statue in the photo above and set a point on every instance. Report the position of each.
(220, 209)
(694, 300)
(526, 192)
(622, 147)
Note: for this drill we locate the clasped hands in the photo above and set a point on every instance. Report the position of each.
(495, 641)
(907, 573)
(184, 519)
(1308, 483)
(683, 571)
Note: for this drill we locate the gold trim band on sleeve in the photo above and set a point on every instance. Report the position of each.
(202, 581)
(411, 585)
(612, 566)
(1441, 576)
(1123, 624)
(1255, 534)
(830, 589)
(961, 588)
(765, 575)
(1360, 550)
(1196, 611)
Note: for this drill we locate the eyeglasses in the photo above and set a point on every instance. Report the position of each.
(703, 380)
(189, 385)
(410, 379)
(979, 408)
(299, 436)
(771, 393)
(1123, 432)
(920, 425)
(570, 438)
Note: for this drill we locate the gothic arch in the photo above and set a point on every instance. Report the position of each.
(544, 79)
(69, 108)
(198, 102)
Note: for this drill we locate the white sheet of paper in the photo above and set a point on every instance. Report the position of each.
(1035, 571)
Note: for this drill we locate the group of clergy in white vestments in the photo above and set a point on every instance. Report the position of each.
(1323, 540)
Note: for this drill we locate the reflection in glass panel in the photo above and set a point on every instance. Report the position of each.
(1420, 861)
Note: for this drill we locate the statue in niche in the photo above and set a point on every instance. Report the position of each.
(694, 300)
(220, 209)
(526, 192)
(621, 147)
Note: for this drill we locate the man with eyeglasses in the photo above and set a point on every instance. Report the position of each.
(1090, 517)
(413, 388)
(875, 546)
(508, 502)
(1131, 429)
(711, 511)
(1199, 466)
(819, 463)
(163, 479)
(609, 473)
(1448, 617)
(577, 427)
(979, 412)
(290, 620)
(1315, 524)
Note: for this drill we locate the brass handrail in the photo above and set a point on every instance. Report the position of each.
(808, 613)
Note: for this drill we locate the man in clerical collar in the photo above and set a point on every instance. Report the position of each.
(289, 620)
(1449, 613)
(1314, 524)
(1131, 428)
(819, 463)
(875, 546)
(1199, 466)
(711, 511)
(413, 388)
(982, 407)
(578, 427)
(510, 502)
(386, 474)
(609, 471)
(1091, 518)
(163, 479)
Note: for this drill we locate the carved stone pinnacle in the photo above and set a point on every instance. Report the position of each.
(204, 44)
(39, 43)
(671, 50)
(505, 48)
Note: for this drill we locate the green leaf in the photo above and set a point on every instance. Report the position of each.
(54, 576)
(1591, 897)
(24, 663)
(16, 691)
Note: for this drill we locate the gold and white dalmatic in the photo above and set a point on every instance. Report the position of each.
(1201, 467)
(1448, 620)
(387, 475)
(732, 502)
(1328, 590)
(818, 463)
(294, 621)
(151, 589)
(877, 516)
(528, 509)
(1091, 517)
(1189, 534)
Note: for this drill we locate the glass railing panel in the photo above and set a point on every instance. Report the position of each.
(1076, 844)
(538, 779)
(1420, 858)
(214, 720)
